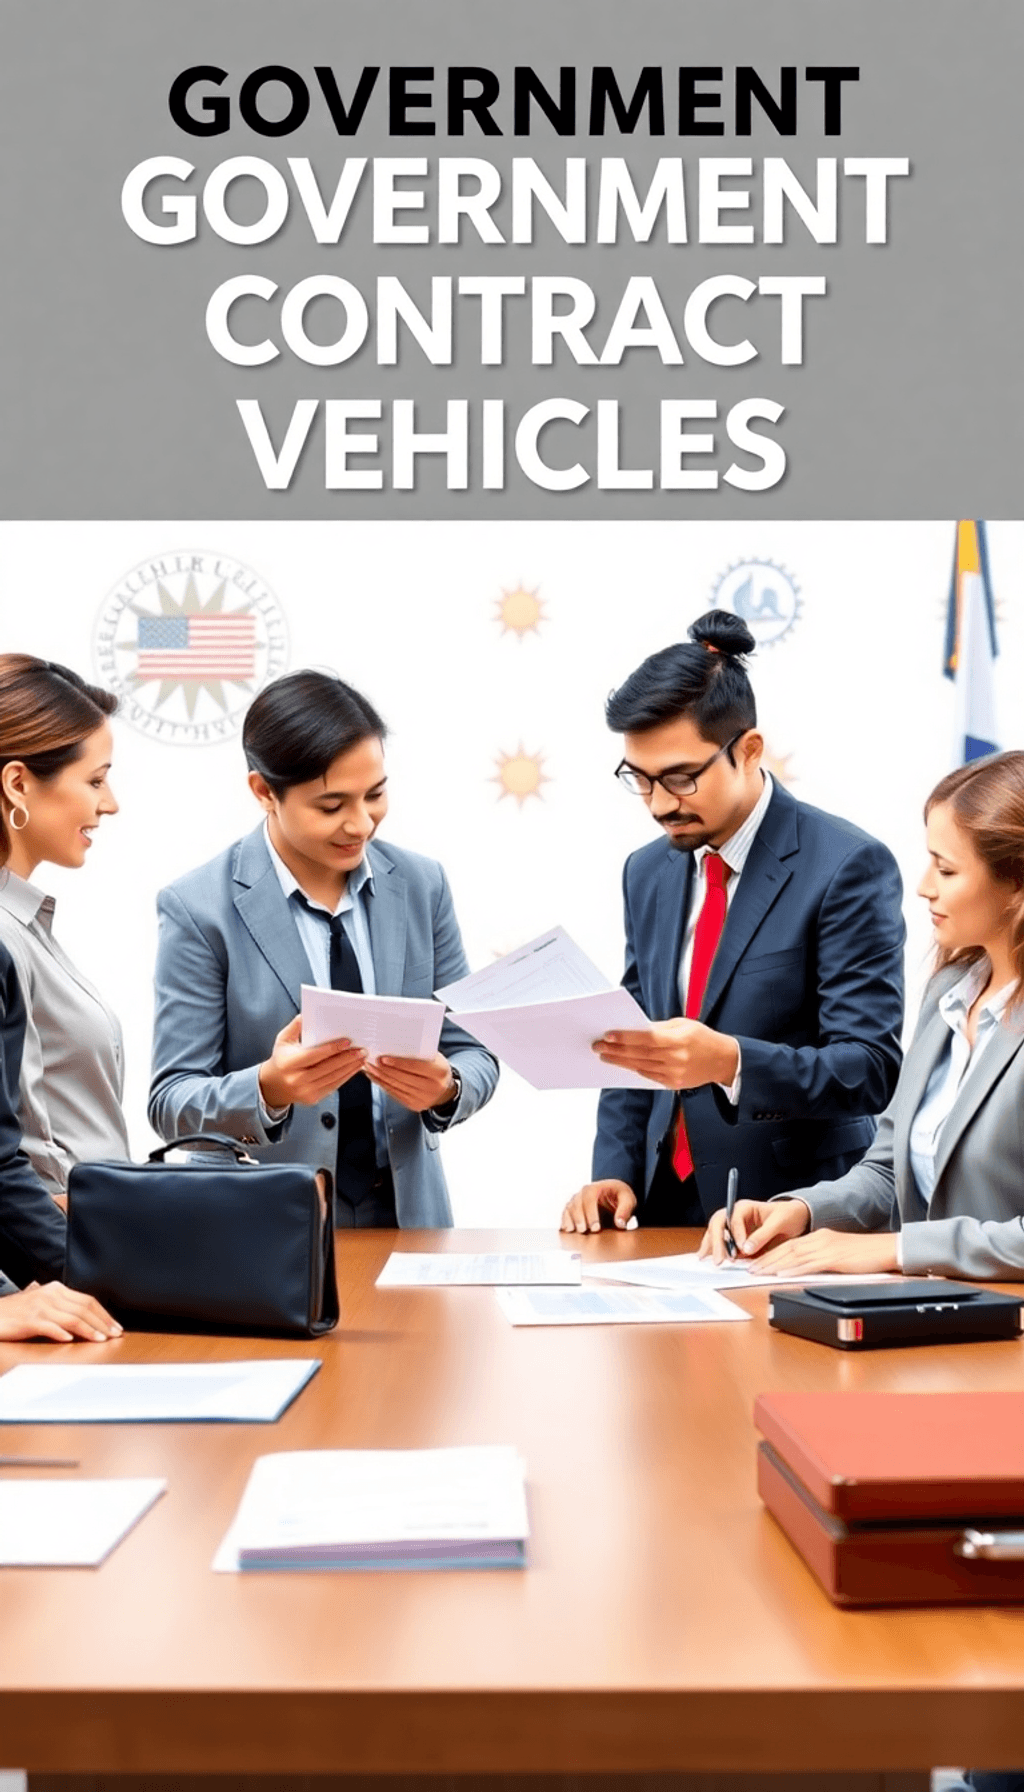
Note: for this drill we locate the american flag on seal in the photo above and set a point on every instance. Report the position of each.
(181, 647)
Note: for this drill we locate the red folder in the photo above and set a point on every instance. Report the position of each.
(899, 1499)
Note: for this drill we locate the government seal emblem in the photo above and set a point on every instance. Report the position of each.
(185, 640)
(764, 595)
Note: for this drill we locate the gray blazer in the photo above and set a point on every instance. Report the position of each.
(974, 1225)
(229, 966)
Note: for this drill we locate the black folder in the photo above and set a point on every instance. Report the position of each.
(913, 1310)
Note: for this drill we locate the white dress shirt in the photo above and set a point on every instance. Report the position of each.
(955, 1064)
(315, 934)
(735, 852)
(72, 1064)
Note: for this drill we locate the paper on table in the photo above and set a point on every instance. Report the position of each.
(162, 1393)
(423, 1269)
(614, 1306)
(402, 1026)
(551, 1044)
(69, 1524)
(450, 1508)
(689, 1271)
(547, 969)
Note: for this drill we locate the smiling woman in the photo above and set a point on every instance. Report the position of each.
(310, 897)
(941, 1190)
(55, 753)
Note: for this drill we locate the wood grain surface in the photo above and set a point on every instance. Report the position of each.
(664, 1624)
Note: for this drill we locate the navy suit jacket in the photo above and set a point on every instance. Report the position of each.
(32, 1226)
(808, 976)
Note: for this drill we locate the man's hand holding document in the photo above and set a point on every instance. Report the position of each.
(399, 1026)
(542, 1008)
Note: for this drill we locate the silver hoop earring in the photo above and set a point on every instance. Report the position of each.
(18, 826)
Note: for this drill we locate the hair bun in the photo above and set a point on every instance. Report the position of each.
(722, 632)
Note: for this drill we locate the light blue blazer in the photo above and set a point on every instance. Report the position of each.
(229, 968)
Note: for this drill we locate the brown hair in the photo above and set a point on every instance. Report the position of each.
(46, 712)
(987, 801)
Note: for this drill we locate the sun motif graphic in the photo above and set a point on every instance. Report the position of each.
(520, 612)
(778, 765)
(192, 646)
(520, 774)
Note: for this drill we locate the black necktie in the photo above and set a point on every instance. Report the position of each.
(356, 1164)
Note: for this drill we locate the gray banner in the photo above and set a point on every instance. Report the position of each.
(907, 399)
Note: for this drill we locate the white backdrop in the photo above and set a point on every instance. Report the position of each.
(852, 703)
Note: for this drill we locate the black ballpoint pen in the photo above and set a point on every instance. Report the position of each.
(732, 1190)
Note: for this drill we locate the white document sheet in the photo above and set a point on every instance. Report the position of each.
(162, 1393)
(689, 1271)
(550, 1044)
(400, 1026)
(547, 969)
(615, 1306)
(454, 1508)
(452, 1269)
(540, 1009)
(69, 1524)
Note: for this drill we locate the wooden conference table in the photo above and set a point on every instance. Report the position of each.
(663, 1627)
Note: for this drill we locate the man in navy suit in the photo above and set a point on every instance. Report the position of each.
(764, 940)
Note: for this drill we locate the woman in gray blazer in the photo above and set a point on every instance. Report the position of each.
(311, 897)
(941, 1190)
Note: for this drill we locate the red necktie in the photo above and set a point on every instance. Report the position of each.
(706, 936)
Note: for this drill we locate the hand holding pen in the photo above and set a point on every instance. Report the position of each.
(747, 1230)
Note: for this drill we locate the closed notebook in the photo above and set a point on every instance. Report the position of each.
(448, 1508)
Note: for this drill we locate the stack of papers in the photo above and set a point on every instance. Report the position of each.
(162, 1393)
(489, 1269)
(540, 1009)
(614, 1306)
(395, 1026)
(688, 1271)
(69, 1524)
(460, 1508)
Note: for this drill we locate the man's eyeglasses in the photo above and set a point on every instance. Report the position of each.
(676, 783)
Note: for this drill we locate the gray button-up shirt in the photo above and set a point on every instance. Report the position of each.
(72, 1066)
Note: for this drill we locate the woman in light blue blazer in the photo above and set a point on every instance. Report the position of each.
(312, 897)
(941, 1190)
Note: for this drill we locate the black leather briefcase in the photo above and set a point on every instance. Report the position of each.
(216, 1243)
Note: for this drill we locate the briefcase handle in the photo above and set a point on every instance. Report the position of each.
(203, 1138)
(991, 1546)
